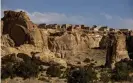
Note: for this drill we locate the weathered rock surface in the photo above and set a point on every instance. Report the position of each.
(1, 22)
(116, 49)
(60, 45)
(129, 43)
(7, 41)
(20, 28)
(70, 43)
(50, 59)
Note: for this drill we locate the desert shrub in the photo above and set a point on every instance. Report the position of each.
(82, 75)
(7, 70)
(91, 74)
(122, 70)
(54, 71)
(77, 76)
(28, 69)
(105, 75)
(22, 69)
(65, 73)
(19, 66)
(87, 60)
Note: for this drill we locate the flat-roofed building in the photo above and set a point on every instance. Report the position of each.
(124, 30)
(112, 29)
(103, 28)
(76, 26)
(57, 26)
(43, 25)
(94, 28)
(63, 26)
(82, 26)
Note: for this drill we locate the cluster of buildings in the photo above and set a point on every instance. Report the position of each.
(70, 27)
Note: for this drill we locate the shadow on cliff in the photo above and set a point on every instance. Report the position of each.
(102, 43)
(129, 43)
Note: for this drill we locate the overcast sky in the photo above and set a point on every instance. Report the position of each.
(113, 13)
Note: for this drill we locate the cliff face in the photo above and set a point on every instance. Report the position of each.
(116, 49)
(121, 49)
(20, 35)
(19, 27)
(69, 43)
(129, 43)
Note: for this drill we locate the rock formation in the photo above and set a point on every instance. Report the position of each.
(62, 45)
(129, 43)
(76, 41)
(19, 27)
(116, 49)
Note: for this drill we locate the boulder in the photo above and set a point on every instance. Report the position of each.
(7, 41)
(8, 50)
(50, 59)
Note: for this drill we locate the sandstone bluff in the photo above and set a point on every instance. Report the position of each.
(63, 45)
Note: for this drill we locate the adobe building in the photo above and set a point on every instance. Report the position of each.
(112, 29)
(82, 26)
(43, 25)
(103, 28)
(94, 28)
(57, 26)
(124, 30)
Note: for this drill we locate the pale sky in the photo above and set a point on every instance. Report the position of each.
(113, 13)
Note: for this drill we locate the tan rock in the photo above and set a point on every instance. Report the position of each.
(7, 41)
(1, 26)
(49, 57)
(8, 50)
(69, 44)
(20, 24)
(116, 49)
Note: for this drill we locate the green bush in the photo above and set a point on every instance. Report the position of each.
(22, 66)
(82, 75)
(7, 70)
(122, 70)
(54, 71)
(28, 69)
(22, 69)
(105, 75)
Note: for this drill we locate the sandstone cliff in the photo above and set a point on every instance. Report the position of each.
(20, 34)
(61, 45)
(116, 49)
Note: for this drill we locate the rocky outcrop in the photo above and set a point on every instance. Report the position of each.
(49, 58)
(69, 44)
(30, 50)
(103, 42)
(20, 35)
(121, 50)
(1, 22)
(19, 27)
(61, 45)
(7, 41)
(116, 49)
(129, 43)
